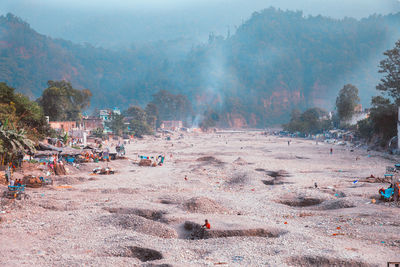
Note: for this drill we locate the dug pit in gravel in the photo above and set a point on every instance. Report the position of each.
(324, 262)
(302, 202)
(194, 231)
(277, 176)
(143, 254)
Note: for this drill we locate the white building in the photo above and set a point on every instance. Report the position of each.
(105, 116)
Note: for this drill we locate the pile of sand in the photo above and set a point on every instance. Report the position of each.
(336, 204)
(210, 160)
(141, 225)
(154, 215)
(238, 178)
(203, 205)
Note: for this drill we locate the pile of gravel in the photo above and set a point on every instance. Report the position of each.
(210, 160)
(154, 215)
(141, 225)
(238, 178)
(336, 204)
(203, 205)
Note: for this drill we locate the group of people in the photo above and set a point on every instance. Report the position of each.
(92, 157)
(53, 160)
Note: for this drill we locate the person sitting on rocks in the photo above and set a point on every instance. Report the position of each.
(199, 232)
(206, 224)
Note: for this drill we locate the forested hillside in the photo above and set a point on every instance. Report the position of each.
(275, 61)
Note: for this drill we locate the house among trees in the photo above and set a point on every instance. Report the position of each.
(106, 117)
(358, 108)
(171, 125)
(359, 115)
(92, 123)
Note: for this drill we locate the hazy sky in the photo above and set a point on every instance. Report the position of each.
(116, 22)
(327, 7)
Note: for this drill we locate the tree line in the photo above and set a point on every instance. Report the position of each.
(381, 124)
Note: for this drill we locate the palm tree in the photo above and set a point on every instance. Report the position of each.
(12, 141)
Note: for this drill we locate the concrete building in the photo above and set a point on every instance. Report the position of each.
(64, 126)
(92, 123)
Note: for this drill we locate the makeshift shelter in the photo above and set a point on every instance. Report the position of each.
(32, 181)
(70, 152)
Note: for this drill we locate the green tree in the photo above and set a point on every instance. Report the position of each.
(383, 113)
(346, 101)
(22, 113)
(13, 141)
(311, 121)
(172, 107)
(383, 116)
(210, 119)
(365, 128)
(140, 128)
(136, 113)
(390, 67)
(152, 115)
(61, 102)
(140, 123)
(117, 124)
(151, 109)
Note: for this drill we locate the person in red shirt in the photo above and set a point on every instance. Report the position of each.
(206, 224)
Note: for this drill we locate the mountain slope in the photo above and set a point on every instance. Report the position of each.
(276, 61)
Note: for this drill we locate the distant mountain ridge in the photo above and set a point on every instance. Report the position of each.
(276, 61)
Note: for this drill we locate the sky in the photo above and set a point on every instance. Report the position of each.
(113, 23)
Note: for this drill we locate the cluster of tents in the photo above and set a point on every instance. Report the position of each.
(72, 155)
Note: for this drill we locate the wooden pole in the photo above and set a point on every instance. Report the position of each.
(398, 128)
